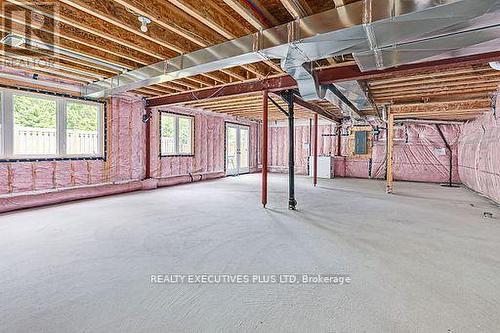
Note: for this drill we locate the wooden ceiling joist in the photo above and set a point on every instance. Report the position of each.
(297, 8)
(108, 32)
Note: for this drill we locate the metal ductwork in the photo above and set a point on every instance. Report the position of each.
(301, 69)
(380, 34)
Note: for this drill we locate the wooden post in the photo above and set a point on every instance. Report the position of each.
(390, 146)
(315, 156)
(264, 151)
(148, 120)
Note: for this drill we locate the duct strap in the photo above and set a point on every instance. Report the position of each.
(370, 33)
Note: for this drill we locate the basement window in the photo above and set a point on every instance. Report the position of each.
(83, 122)
(37, 126)
(35, 131)
(176, 133)
(361, 142)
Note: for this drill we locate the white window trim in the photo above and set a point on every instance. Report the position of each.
(176, 134)
(100, 129)
(7, 128)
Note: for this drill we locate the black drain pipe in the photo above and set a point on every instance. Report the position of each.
(292, 203)
(450, 183)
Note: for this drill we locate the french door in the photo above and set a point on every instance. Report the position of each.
(237, 149)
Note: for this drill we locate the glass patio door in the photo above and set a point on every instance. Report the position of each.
(237, 149)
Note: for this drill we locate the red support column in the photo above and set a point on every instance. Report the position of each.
(265, 131)
(315, 155)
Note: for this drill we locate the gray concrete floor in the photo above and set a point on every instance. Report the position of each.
(423, 259)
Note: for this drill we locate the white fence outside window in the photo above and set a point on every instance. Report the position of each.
(30, 140)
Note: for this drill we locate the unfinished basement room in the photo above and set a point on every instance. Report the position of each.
(250, 166)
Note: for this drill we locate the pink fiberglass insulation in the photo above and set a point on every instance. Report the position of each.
(479, 155)
(278, 146)
(209, 136)
(25, 184)
(420, 153)
(20, 182)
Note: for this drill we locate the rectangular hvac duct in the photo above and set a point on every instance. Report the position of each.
(368, 29)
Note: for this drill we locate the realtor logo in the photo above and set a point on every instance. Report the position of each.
(27, 33)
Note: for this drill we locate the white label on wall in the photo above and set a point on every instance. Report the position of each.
(440, 151)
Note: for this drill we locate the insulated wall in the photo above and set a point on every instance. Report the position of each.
(30, 184)
(278, 145)
(420, 154)
(479, 155)
(209, 147)
(125, 157)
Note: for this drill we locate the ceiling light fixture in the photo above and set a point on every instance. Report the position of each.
(144, 23)
(13, 40)
(495, 65)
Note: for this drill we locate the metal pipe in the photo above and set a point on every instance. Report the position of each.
(450, 180)
(339, 140)
(292, 202)
(278, 106)
(315, 156)
(265, 131)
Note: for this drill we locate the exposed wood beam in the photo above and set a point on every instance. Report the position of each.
(297, 8)
(479, 104)
(448, 113)
(389, 155)
(173, 18)
(245, 13)
(121, 18)
(325, 76)
(449, 79)
(204, 17)
(437, 87)
(66, 43)
(421, 96)
(313, 107)
(71, 21)
(59, 74)
(48, 62)
(423, 76)
(78, 19)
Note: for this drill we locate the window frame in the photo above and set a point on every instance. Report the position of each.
(177, 116)
(101, 129)
(7, 128)
(364, 142)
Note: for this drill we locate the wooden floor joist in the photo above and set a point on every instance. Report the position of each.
(109, 32)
